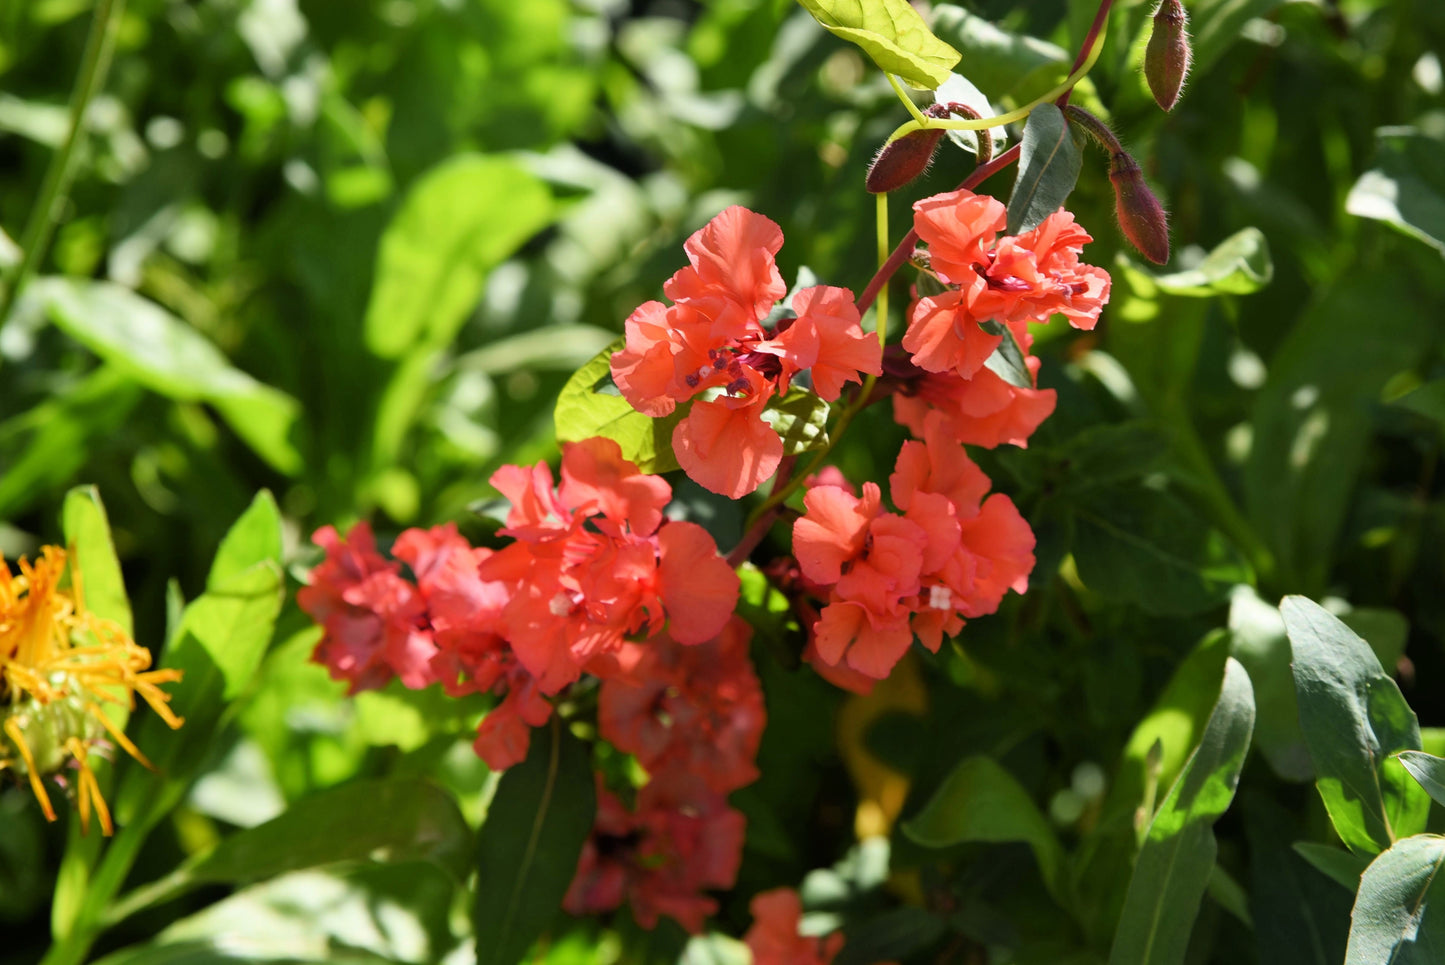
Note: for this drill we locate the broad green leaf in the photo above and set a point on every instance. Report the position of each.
(1428, 770)
(1341, 866)
(1354, 718)
(1399, 915)
(980, 801)
(1406, 187)
(1258, 641)
(1238, 265)
(960, 90)
(550, 348)
(800, 418)
(169, 357)
(1428, 400)
(892, 33)
(1215, 26)
(1301, 917)
(1008, 361)
(95, 570)
(461, 220)
(1144, 546)
(1049, 162)
(254, 537)
(1010, 67)
(591, 406)
(529, 844)
(1175, 864)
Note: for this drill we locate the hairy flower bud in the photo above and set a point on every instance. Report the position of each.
(1140, 214)
(1166, 60)
(902, 160)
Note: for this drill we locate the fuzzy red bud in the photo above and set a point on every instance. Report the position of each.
(1141, 216)
(902, 160)
(1166, 60)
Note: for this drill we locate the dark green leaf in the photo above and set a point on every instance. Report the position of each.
(1354, 718)
(171, 358)
(584, 410)
(1008, 360)
(1177, 859)
(980, 801)
(1406, 187)
(1144, 546)
(529, 844)
(461, 220)
(893, 935)
(1341, 866)
(1049, 164)
(1428, 400)
(1428, 770)
(1216, 26)
(1257, 640)
(1008, 66)
(801, 419)
(892, 33)
(1399, 915)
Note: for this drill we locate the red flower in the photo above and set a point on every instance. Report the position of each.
(983, 410)
(711, 343)
(774, 938)
(691, 710)
(659, 857)
(373, 620)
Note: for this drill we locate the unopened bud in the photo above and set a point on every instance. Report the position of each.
(902, 160)
(1141, 216)
(1166, 60)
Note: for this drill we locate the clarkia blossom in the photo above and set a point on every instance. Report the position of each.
(711, 350)
(774, 939)
(950, 554)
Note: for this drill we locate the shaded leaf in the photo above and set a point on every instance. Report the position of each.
(1008, 361)
(529, 844)
(1049, 162)
(1406, 187)
(800, 418)
(1428, 770)
(1354, 718)
(590, 405)
(1175, 864)
(1341, 866)
(893, 935)
(1238, 265)
(1399, 914)
(960, 90)
(461, 219)
(980, 801)
(892, 33)
(1258, 641)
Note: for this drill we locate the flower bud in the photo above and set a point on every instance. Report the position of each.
(902, 160)
(1166, 60)
(1140, 214)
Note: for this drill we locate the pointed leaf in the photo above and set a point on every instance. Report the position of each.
(1009, 360)
(1175, 864)
(1049, 164)
(1428, 770)
(87, 537)
(1399, 914)
(1406, 187)
(1354, 718)
(1238, 265)
(1341, 866)
(801, 419)
(536, 825)
(590, 405)
(892, 33)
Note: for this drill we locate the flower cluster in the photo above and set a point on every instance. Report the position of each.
(711, 348)
(887, 577)
(774, 937)
(592, 564)
(1007, 281)
(59, 664)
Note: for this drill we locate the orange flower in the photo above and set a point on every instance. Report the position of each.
(59, 664)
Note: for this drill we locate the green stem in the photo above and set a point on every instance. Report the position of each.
(72, 947)
(907, 101)
(94, 65)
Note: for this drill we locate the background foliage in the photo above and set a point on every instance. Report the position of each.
(350, 253)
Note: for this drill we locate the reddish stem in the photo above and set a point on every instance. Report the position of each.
(760, 527)
(904, 251)
(1088, 45)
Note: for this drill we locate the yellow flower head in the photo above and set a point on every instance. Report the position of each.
(59, 664)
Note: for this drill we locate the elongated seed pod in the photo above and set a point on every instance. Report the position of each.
(1166, 59)
(1141, 216)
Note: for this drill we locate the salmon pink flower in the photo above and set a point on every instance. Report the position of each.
(711, 349)
(774, 938)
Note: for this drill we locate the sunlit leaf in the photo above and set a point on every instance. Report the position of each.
(1406, 187)
(1428, 770)
(892, 33)
(1399, 914)
(87, 536)
(590, 405)
(801, 419)
(1238, 265)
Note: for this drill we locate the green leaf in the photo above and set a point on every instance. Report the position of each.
(87, 537)
(1428, 770)
(533, 834)
(1406, 187)
(1008, 361)
(461, 219)
(169, 357)
(1049, 164)
(1011, 67)
(1399, 914)
(980, 801)
(1238, 265)
(254, 537)
(801, 419)
(895, 934)
(1428, 400)
(1354, 718)
(1216, 27)
(1177, 859)
(892, 33)
(1257, 640)
(583, 412)
(1341, 866)
(1144, 546)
